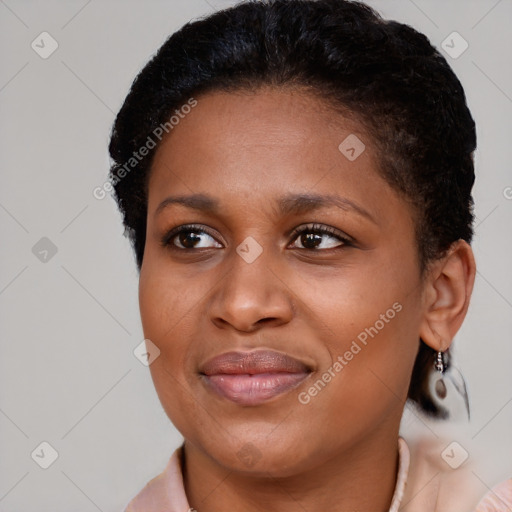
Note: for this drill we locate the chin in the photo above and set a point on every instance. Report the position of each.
(258, 456)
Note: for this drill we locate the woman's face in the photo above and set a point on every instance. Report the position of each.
(281, 346)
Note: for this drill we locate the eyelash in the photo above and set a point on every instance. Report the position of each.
(309, 228)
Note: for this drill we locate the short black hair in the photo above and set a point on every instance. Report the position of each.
(382, 72)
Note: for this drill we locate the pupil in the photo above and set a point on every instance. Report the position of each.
(308, 240)
(188, 239)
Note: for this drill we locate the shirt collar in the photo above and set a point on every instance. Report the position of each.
(167, 490)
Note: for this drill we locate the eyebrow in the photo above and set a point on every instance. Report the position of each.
(291, 204)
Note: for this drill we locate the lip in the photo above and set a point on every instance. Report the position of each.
(251, 378)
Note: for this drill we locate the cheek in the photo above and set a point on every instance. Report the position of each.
(347, 301)
(165, 314)
(371, 321)
(165, 298)
(368, 378)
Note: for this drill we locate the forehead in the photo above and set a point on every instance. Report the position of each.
(283, 124)
(261, 144)
(278, 112)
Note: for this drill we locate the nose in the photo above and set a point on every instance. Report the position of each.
(250, 296)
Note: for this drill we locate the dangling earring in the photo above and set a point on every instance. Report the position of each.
(447, 389)
(440, 386)
(439, 364)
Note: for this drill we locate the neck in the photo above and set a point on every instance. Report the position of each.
(362, 477)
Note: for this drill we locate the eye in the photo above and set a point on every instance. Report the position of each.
(318, 237)
(189, 237)
(311, 237)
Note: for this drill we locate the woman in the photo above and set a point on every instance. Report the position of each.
(295, 177)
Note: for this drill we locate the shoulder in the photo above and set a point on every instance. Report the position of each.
(498, 499)
(443, 477)
(163, 492)
(151, 497)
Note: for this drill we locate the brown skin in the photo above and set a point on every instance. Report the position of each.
(247, 150)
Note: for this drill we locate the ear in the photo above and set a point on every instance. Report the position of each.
(447, 292)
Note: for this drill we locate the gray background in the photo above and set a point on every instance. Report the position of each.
(69, 324)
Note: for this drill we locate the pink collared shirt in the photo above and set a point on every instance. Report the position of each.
(166, 492)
